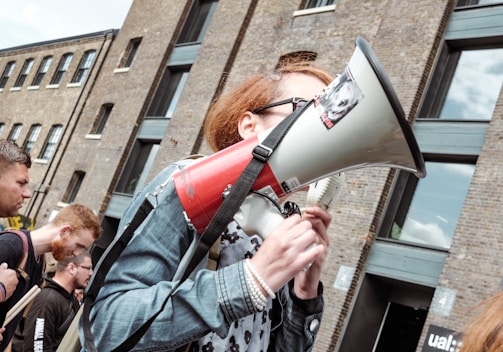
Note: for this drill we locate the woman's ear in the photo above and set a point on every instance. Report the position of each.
(247, 125)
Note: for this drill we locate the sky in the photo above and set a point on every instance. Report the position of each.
(31, 21)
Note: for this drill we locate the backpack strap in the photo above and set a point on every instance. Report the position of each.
(22, 263)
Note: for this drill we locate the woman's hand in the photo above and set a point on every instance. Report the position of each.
(285, 252)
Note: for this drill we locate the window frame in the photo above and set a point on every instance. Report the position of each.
(197, 22)
(62, 69)
(312, 4)
(169, 91)
(32, 137)
(42, 70)
(25, 71)
(85, 64)
(50, 144)
(443, 75)
(73, 187)
(7, 73)
(403, 191)
(102, 118)
(15, 132)
(138, 166)
(130, 52)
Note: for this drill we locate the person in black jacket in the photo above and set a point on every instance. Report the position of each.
(54, 307)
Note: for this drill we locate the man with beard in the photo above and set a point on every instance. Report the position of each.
(73, 229)
(55, 307)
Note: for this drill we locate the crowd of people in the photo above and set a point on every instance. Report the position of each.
(67, 237)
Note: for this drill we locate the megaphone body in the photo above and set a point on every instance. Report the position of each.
(355, 122)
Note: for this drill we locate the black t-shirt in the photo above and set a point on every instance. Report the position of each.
(11, 252)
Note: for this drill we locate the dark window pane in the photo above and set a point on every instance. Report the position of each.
(319, 3)
(137, 167)
(197, 22)
(168, 93)
(51, 142)
(32, 137)
(63, 65)
(7, 72)
(42, 70)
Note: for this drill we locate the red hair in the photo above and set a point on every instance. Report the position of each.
(485, 333)
(221, 125)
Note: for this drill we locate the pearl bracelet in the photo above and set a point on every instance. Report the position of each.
(259, 279)
(259, 300)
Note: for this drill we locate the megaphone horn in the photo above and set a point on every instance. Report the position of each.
(356, 121)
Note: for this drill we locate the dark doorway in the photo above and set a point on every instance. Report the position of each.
(388, 316)
(402, 329)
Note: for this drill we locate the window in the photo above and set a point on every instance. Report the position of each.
(84, 66)
(32, 137)
(24, 73)
(63, 65)
(42, 70)
(168, 93)
(461, 97)
(130, 52)
(197, 21)
(15, 132)
(468, 87)
(319, 3)
(429, 209)
(140, 162)
(7, 72)
(73, 187)
(50, 144)
(462, 3)
(102, 118)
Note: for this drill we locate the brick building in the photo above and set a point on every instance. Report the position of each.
(409, 257)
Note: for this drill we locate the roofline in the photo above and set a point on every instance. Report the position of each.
(112, 31)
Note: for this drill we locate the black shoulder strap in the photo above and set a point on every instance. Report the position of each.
(231, 203)
(105, 263)
(22, 263)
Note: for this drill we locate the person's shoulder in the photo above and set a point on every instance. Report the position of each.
(13, 236)
(52, 292)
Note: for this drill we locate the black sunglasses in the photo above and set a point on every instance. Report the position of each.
(297, 103)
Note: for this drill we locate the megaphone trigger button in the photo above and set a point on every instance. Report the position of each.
(291, 208)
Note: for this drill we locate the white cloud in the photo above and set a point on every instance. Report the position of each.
(431, 234)
(31, 21)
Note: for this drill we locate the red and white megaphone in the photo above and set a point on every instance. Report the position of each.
(355, 122)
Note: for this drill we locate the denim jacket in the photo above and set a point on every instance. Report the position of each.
(142, 277)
